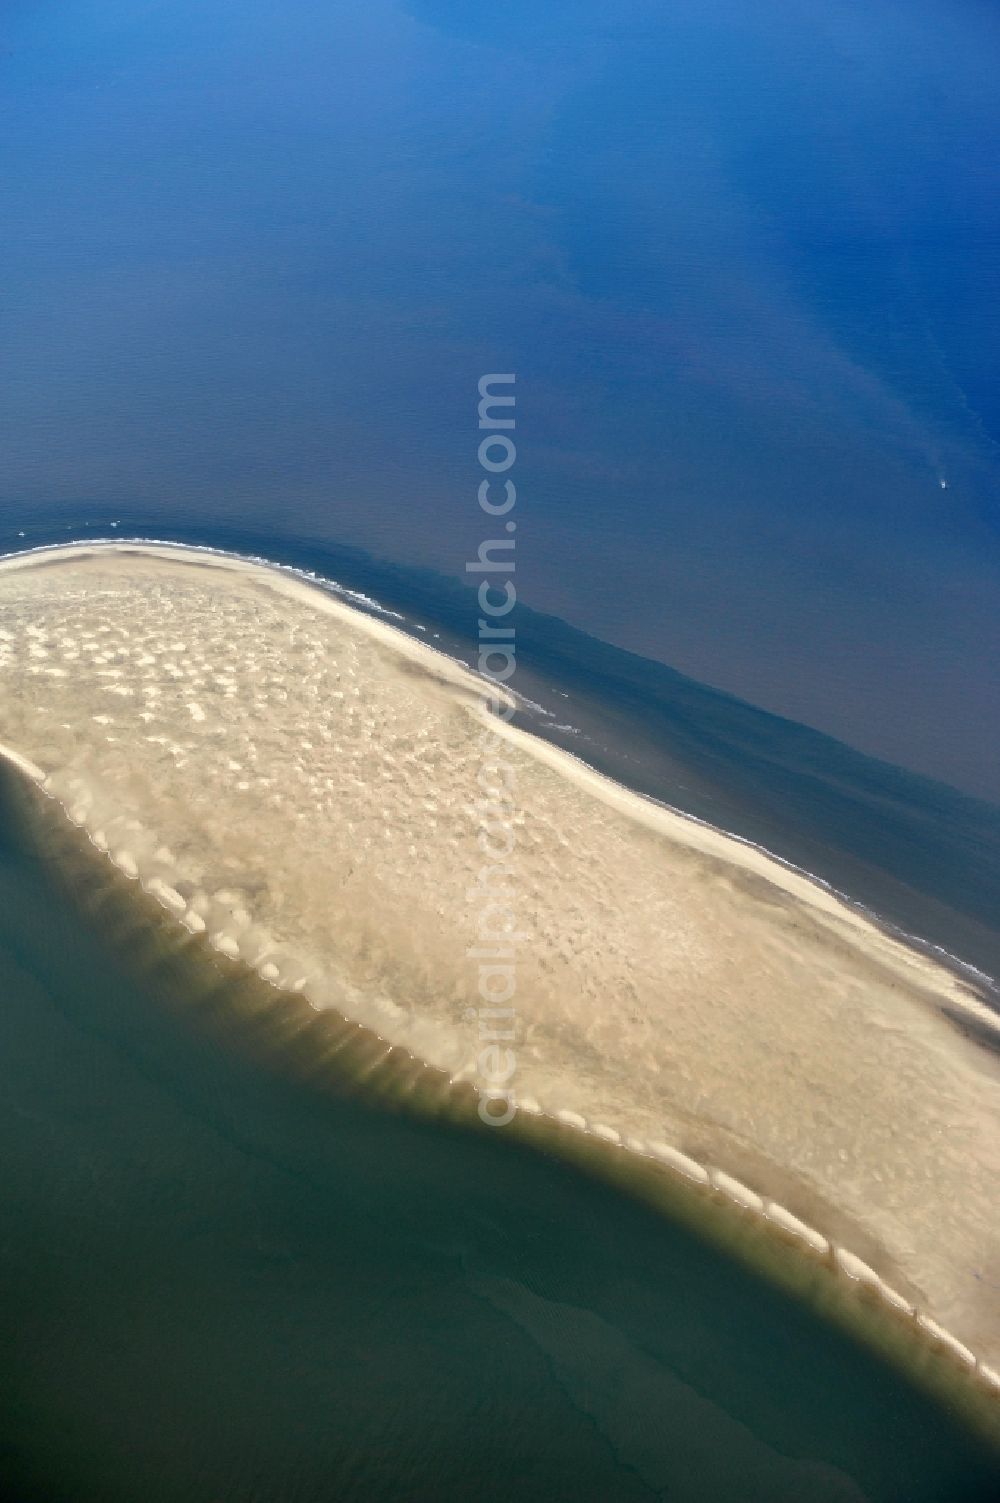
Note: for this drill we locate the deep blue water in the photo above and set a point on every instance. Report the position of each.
(742, 259)
(255, 257)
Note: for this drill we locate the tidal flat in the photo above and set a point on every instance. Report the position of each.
(238, 1262)
(296, 783)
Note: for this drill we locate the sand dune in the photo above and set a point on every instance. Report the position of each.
(302, 785)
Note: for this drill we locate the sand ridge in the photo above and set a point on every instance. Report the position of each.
(297, 780)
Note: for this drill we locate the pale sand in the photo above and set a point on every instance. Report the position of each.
(298, 781)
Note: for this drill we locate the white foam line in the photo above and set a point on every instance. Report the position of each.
(332, 586)
(672, 1158)
(522, 699)
(848, 1263)
(887, 926)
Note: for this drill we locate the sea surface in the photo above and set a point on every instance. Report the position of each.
(227, 1275)
(255, 259)
(918, 854)
(741, 259)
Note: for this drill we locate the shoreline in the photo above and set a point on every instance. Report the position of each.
(366, 607)
(765, 1238)
(714, 846)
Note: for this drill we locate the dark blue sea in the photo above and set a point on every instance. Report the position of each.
(256, 258)
(257, 253)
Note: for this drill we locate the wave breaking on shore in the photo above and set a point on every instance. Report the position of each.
(292, 778)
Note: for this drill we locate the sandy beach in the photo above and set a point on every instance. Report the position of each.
(298, 783)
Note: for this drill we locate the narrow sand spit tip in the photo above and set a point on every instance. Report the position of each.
(325, 800)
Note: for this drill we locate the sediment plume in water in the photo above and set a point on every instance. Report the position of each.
(300, 785)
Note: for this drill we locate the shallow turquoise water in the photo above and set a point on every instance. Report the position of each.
(223, 1278)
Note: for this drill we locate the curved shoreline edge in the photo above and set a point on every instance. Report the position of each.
(702, 1178)
(365, 608)
(788, 1251)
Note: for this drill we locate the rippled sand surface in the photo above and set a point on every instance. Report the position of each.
(302, 784)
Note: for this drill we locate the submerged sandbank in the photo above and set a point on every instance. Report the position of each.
(299, 782)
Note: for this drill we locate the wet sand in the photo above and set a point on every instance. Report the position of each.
(298, 783)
